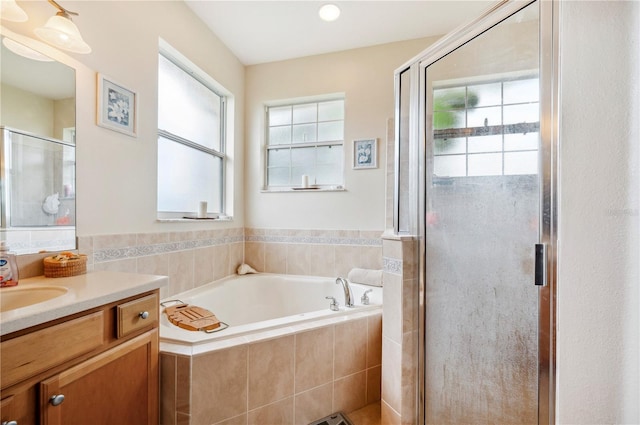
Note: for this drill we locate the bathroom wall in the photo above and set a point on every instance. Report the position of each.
(365, 76)
(116, 174)
(598, 300)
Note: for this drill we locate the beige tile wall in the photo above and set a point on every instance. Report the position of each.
(190, 259)
(328, 253)
(291, 379)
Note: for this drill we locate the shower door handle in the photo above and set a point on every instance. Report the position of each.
(540, 278)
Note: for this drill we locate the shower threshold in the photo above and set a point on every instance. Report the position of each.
(338, 418)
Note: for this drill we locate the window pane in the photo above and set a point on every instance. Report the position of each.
(330, 131)
(485, 164)
(516, 142)
(521, 91)
(329, 111)
(303, 133)
(329, 155)
(449, 146)
(305, 113)
(450, 166)
(279, 135)
(186, 107)
(484, 95)
(280, 115)
(448, 119)
(448, 99)
(485, 143)
(515, 114)
(521, 163)
(195, 176)
(481, 117)
(305, 157)
(279, 158)
(328, 174)
(278, 176)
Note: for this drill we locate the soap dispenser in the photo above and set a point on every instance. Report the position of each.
(8, 266)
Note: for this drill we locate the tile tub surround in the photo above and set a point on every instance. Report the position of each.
(190, 258)
(328, 253)
(288, 379)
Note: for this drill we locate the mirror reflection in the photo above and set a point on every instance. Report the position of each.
(37, 151)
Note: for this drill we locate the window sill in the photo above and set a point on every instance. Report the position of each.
(302, 189)
(193, 220)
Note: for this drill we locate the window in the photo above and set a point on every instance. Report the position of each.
(486, 129)
(305, 139)
(191, 141)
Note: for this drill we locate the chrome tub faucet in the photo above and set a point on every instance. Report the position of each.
(348, 296)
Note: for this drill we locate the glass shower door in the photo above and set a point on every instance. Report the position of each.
(481, 225)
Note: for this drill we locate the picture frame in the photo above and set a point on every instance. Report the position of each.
(117, 106)
(365, 154)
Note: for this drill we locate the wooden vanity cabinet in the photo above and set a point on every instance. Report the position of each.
(96, 367)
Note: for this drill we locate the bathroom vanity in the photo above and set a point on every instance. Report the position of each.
(89, 355)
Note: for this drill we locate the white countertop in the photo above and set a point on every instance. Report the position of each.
(84, 292)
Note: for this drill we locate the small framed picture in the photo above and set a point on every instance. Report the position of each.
(117, 106)
(365, 154)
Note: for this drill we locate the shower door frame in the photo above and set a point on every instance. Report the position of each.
(548, 179)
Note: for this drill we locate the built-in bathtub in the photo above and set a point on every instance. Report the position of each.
(286, 357)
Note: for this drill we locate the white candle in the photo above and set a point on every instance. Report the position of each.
(202, 209)
(305, 181)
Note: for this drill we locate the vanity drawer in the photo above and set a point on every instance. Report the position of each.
(137, 314)
(30, 354)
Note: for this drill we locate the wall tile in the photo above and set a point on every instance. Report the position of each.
(254, 255)
(271, 371)
(349, 393)
(236, 257)
(374, 340)
(203, 265)
(298, 259)
(388, 415)
(350, 350)
(313, 404)
(347, 257)
(238, 420)
(280, 413)
(180, 271)
(220, 255)
(371, 257)
(168, 389)
(276, 258)
(374, 384)
(314, 358)
(219, 388)
(392, 307)
(101, 242)
(128, 266)
(154, 264)
(183, 384)
(392, 374)
(322, 260)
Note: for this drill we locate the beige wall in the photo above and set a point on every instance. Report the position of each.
(116, 174)
(365, 76)
(28, 111)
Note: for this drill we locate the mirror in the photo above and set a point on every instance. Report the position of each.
(37, 151)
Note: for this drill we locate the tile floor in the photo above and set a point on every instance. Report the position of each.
(368, 415)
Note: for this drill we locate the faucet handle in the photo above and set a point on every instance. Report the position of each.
(365, 299)
(334, 306)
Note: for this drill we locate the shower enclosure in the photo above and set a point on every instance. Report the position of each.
(475, 157)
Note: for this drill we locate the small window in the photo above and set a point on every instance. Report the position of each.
(305, 139)
(486, 129)
(191, 141)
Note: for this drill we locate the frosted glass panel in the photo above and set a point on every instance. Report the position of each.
(481, 306)
(330, 155)
(278, 176)
(305, 113)
(280, 115)
(450, 146)
(185, 104)
(449, 119)
(181, 173)
(329, 111)
(303, 133)
(279, 157)
(330, 131)
(521, 91)
(305, 157)
(279, 135)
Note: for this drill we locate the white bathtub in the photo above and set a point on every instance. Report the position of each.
(254, 303)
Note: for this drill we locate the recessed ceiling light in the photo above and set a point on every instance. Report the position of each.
(329, 12)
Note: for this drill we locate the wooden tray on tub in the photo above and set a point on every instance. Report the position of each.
(192, 318)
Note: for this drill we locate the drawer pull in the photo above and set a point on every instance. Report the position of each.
(10, 423)
(56, 400)
(143, 314)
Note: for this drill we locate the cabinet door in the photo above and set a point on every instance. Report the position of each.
(119, 386)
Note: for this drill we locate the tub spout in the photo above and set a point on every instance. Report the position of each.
(348, 296)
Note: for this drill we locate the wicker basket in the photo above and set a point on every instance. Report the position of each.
(65, 268)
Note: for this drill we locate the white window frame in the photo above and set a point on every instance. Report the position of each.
(267, 146)
(468, 132)
(174, 56)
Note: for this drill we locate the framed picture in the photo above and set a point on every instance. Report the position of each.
(365, 153)
(117, 106)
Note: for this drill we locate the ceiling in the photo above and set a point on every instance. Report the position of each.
(269, 31)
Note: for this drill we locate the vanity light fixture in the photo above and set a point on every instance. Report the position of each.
(61, 32)
(24, 51)
(329, 12)
(10, 11)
